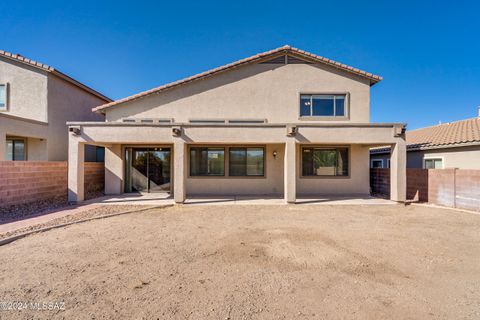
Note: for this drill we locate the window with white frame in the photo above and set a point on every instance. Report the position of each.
(433, 163)
(388, 163)
(376, 163)
(3, 97)
(322, 105)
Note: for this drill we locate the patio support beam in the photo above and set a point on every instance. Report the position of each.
(290, 177)
(179, 170)
(76, 158)
(398, 172)
(113, 169)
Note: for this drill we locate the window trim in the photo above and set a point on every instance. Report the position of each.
(326, 147)
(6, 107)
(227, 147)
(189, 161)
(325, 118)
(248, 147)
(371, 163)
(434, 158)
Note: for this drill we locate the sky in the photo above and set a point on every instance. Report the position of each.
(428, 52)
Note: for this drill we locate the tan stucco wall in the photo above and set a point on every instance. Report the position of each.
(259, 91)
(27, 96)
(66, 102)
(271, 184)
(459, 157)
(39, 105)
(36, 149)
(358, 181)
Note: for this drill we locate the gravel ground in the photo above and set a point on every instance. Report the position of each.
(32, 209)
(38, 208)
(252, 262)
(96, 212)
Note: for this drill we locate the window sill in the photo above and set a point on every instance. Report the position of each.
(323, 118)
(325, 177)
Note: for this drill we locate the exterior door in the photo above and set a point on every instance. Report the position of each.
(147, 170)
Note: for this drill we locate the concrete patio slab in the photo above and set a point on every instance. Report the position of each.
(166, 199)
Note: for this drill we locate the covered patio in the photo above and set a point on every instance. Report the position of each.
(288, 140)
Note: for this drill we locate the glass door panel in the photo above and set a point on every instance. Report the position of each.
(139, 169)
(147, 169)
(159, 170)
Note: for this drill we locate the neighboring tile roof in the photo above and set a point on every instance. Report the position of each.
(255, 58)
(441, 136)
(458, 132)
(47, 68)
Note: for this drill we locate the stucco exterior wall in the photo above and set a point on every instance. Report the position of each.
(271, 184)
(67, 102)
(357, 183)
(459, 157)
(39, 105)
(27, 90)
(258, 91)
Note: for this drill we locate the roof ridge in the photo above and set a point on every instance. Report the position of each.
(251, 59)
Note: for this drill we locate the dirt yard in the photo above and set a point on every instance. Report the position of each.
(252, 262)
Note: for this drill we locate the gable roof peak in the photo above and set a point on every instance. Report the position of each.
(257, 58)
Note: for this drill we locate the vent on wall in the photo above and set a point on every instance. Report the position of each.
(207, 121)
(286, 59)
(146, 121)
(247, 121)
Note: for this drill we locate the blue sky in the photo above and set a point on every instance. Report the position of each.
(427, 51)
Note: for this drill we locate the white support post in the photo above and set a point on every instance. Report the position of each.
(76, 157)
(398, 172)
(179, 170)
(290, 170)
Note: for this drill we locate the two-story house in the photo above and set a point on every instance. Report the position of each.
(36, 101)
(283, 123)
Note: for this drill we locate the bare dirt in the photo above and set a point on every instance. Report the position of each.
(252, 262)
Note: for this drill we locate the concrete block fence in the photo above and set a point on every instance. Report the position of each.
(32, 181)
(457, 188)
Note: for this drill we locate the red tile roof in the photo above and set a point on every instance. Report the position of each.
(458, 132)
(445, 135)
(47, 68)
(255, 58)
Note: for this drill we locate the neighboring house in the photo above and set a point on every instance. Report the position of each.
(36, 101)
(449, 145)
(280, 123)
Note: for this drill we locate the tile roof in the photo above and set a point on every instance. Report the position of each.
(47, 68)
(441, 136)
(458, 132)
(255, 58)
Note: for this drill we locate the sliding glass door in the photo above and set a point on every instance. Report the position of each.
(147, 169)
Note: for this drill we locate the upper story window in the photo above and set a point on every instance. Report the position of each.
(3, 97)
(322, 105)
